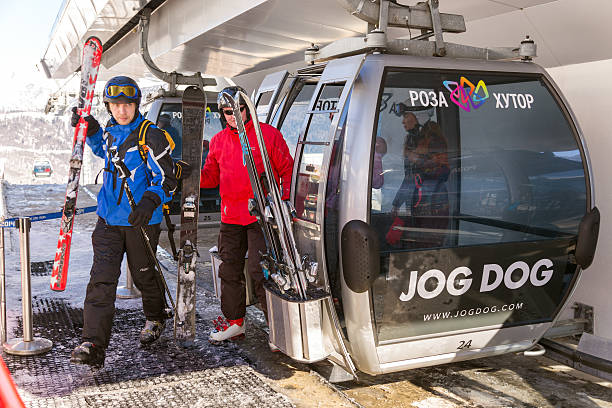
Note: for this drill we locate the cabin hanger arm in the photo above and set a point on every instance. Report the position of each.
(425, 16)
(417, 17)
(172, 78)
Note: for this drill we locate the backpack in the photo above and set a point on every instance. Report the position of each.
(141, 130)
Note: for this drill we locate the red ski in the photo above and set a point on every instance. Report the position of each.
(92, 54)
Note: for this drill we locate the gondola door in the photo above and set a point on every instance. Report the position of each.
(268, 93)
(320, 139)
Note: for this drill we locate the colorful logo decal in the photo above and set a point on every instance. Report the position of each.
(467, 96)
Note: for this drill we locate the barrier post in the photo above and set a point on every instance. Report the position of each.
(2, 290)
(29, 345)
(128, 291)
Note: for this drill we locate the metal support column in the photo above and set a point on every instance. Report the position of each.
(128, 291)
(2, 290)
(28, 345)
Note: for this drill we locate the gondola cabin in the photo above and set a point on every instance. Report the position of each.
(42, 168)
(447, 202)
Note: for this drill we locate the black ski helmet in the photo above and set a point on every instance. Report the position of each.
(113, 91)
(222, 104)
(232, 91)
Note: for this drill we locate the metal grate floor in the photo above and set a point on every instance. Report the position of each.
(236, 386)
(160, 375)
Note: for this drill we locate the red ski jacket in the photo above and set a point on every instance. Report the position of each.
(225, 168)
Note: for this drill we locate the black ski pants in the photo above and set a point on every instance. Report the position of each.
(109, 244)
(234, 241)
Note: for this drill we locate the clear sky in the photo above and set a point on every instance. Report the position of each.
(26, 26)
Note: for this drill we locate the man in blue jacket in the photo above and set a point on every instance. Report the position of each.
(117, 231)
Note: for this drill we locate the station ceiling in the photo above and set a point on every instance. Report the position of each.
(230, 38)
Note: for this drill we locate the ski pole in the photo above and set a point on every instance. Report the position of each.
(124, 173)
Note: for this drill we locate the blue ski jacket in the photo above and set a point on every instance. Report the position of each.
(154, 178)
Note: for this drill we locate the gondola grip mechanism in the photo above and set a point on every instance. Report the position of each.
(172, 78)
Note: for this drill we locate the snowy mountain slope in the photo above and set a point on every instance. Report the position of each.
(28, 136)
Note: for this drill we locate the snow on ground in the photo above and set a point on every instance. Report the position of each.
(29, 136)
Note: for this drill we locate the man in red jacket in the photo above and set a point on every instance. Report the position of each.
(239, 230)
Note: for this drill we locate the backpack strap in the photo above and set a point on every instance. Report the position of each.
(142, 134)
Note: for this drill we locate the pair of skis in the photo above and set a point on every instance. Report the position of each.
(282, 262)
(194, 113)
(92, 54)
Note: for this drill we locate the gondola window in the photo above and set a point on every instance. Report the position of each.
(170, 119)
(295, 116)
(471, 161)
(316, 140)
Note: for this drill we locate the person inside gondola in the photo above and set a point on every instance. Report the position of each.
(428, 209)
(429, 202)
(413, 134)
(402, 196)
(378, 174)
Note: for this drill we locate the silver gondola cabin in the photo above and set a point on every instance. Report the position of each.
(457, 238)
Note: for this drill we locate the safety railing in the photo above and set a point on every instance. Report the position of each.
(28, 345)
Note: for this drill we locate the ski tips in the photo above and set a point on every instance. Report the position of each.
(94, 39)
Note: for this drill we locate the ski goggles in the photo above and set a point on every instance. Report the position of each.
(230, 112)
(115, 91)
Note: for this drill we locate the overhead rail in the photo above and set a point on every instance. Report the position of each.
(132, 23)
(426, 17)
(141, 20)
(121, 32)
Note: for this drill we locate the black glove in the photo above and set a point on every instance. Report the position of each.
(141, 215)
(92, 124)
(182, 169)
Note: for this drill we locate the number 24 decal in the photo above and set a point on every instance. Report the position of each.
(464, 344)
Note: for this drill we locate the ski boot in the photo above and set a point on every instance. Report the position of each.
(226, 330)
(88, 353)
(151, 331)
